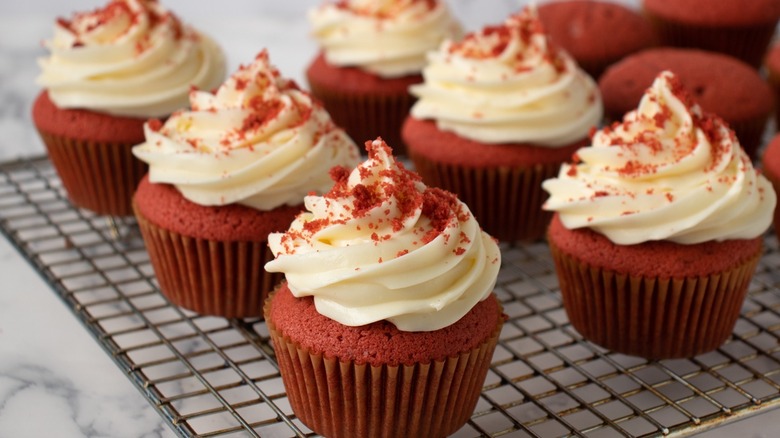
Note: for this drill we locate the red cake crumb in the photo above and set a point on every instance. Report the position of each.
(380, 342)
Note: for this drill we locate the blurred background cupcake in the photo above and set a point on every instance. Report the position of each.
(742, 29)
(108, 71)
(225, 174)
(498, 113)
(770, 165)
(658, 229)
(772, 66)
(596, 33)
(370, 53)
(721, 84)
(387, 321)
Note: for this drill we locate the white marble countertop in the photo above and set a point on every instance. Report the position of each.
(54, 378)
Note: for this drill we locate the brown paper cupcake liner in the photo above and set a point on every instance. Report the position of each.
(221, 278)
(506, 201)
(97, 176)
(748, 43)
(347, 399)
(366, 117)
(654, 318)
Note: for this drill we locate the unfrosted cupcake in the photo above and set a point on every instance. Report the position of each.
(770, 164)
(497, 114)
(370, 53)
(772, 66)
(108, 71)
(596, 33)
(658, 229)
(742, 29)
(225, 174)
(387, 322)
(721, 84)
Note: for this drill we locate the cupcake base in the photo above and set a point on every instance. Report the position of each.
(364, 105)
(338, 396)
(209, 259)
(652, 314)
(92, 154)
(501, 183)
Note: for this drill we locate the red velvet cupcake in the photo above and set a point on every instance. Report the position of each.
(722, 85)
(387, 322)
(772, 65)
(370, 54)
(86, 116)
(596, 33)
(224, 175)
(742, 29)
(497, 114)
(658, 229)
(770, 164)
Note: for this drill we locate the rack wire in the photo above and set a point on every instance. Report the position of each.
(210, 376)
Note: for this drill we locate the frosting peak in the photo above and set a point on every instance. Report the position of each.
(258, 141)
(508, 84)
(381, 245)
(388, 38)
(669, 171)
(130, 58)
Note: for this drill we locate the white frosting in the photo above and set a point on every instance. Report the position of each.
(130, 58)
(668, 172)
(386, 37)
(382, 246)
(507, 84)
(258, 141)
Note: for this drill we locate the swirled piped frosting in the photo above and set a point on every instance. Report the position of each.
(130, 58)
(389, 38)
(257, 141)
(668, 172)
(383, 246)
(508, 84)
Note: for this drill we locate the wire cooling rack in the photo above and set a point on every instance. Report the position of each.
(215, 377)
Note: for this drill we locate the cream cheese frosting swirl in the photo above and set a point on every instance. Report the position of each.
(382, 246)
(667, 172)
(508, 84)
(258, 141)
(389, 38)
(131, 58)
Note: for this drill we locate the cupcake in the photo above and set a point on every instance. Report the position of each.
(386, 323)
(498, 113)
(770, 164)
(658, 228)
(224, 175)
(772, 66)
(742, 29)
(596, 33)
(721, 84)
(370, 53)
(108, 72)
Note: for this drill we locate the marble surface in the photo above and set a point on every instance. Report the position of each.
(54, 378)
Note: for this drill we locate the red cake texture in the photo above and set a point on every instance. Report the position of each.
(500, 183)
(364, 104)
(772, 65)
(375, 380)
(209, 259)
(164, 206)
(596, 33)
(721, 84)
(770, 163)
(655, 300)
(92, 153)
(379, 343)
(742, 29)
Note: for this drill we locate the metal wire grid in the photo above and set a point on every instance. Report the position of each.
(214, 377)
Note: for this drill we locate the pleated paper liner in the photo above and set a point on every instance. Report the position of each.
(220, 278)
(506, 201)
(366, 117)
(345, 399)
(654, 318)
(748, 43)
(98, 176)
